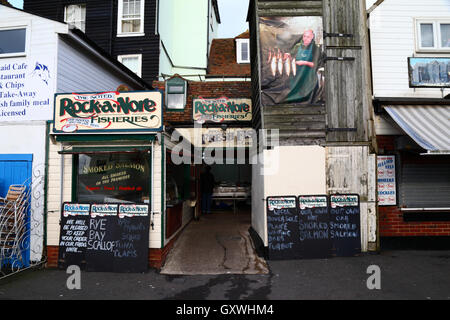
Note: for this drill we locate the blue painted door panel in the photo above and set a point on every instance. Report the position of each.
(16, 169)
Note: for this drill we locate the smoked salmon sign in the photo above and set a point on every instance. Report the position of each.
(222, 110)
(108, 112)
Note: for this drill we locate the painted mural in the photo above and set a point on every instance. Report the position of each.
(292, 60)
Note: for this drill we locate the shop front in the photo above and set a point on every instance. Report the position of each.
(105, 179)
(413, 172)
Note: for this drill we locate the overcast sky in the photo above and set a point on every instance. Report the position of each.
(233, 16)
(16, 3)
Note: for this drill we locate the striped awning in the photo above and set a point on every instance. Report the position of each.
(427, 125)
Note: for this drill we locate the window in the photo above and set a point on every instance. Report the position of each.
(176, 93)
(243, 50)
(132, 62)
(130, 21)
(433, 35)
(75, 15)
(113, 177)
(12, 42)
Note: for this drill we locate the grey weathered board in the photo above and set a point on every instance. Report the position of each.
(348, 81)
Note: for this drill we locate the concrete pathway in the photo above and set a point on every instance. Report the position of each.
(218, 243)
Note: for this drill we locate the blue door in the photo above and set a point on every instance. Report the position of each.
(16, 169)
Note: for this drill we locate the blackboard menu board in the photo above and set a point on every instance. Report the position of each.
(345, 224)
(73, 235)
(282, 228)
(314, 234)
(101, 237)
(115, 237)
(131, 248)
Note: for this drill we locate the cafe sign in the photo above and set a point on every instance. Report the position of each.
(108, 112)
(222, 110)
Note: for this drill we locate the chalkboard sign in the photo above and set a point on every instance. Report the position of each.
(282, 228)
(131, 247)
(345, 224)
(73, 235)
(314, 233)
(109, 237)
(101, 237)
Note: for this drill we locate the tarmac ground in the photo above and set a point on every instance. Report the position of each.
(236, 273)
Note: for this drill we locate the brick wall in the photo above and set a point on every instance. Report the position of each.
(391, 222)
(205, 89)
(156, 257)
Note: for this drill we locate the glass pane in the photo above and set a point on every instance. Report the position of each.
(445, 35)
(175, 101)
(426, 35)
(244, 51)
(131, 25)
(76, 16)
(131, 63)
(137, 7)
(175, 89)
(126, 7)
(12, 41)
(113, 177)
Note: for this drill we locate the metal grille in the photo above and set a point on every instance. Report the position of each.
(22, 225)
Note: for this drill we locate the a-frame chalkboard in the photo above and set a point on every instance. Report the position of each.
(345, 224)
(282, 228)
(314, 233)
(105, 237)
(74, 229)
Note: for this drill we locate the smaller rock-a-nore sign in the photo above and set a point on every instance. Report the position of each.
(222, 110)
(108, 112)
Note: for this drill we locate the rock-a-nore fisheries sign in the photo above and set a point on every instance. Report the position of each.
(108, 111)
(222, 110)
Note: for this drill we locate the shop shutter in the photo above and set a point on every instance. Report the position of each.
(425, 185)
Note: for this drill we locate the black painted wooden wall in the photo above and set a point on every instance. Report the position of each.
(101, 27)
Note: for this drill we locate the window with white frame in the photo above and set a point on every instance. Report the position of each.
(130, 18)
(75, 15)
(13, 42)
(243, 50)
(433, 34)
(132, 62)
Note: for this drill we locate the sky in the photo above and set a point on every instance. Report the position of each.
(233, 16)
(16, 3)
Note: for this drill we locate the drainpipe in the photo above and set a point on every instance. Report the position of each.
(152, 184)
(62, 176)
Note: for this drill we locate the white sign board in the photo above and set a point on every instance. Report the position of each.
(26, 89)
(387, 193)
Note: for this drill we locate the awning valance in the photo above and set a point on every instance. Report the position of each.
(427, 125)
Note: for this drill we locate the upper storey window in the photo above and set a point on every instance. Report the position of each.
(433, 35)
(75, 15)
(130, 21)
(243, 50)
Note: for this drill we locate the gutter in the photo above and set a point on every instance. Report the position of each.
(374, 6)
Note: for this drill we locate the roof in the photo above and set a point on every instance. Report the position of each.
(222, 58)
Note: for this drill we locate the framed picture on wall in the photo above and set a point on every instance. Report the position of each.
(429, 72)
